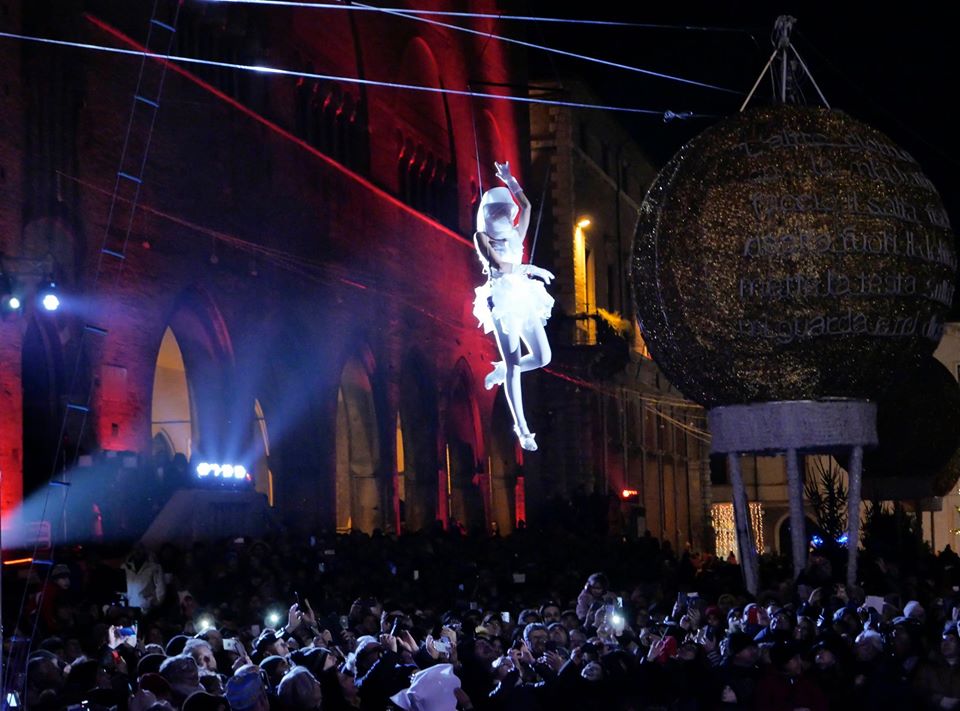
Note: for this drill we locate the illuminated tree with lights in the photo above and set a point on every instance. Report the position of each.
(827, 493)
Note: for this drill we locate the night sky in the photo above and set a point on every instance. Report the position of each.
(889, 66)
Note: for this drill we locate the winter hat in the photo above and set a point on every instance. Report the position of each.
(176, 644)
(149, 663)
(365, 642)
(244, 689)
(180, 671)
(157, 685)
(871, 637)
(203, 701)
(913, 609)
(266, 638)
(430, 690)
(313, 658)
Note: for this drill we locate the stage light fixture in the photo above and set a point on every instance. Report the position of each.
(48, 297)
(235, 472)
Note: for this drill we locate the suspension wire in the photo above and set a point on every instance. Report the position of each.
(476, 145)
(348, 80)
(485, 16)
(543, 202)
(780, 38)
(473, 116)
(546, 180)
(189, 60)
(809, 74)
(291, 264)
(554, 50)
(763, 73)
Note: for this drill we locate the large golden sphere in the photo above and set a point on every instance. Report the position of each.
(791, 253)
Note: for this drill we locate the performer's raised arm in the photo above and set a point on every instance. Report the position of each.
(503, 172)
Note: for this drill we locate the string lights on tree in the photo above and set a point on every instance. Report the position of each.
(725, 528)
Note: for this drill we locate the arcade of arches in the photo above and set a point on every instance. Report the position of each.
(422, 467)
(438, 472)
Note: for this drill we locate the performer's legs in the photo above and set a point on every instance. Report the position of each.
(538, 347)
(509, 345)
(538, 355)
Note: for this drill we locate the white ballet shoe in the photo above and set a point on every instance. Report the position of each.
(497, 376)
(527, 440)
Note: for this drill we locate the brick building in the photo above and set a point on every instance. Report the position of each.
(295, 288)
(616, 426)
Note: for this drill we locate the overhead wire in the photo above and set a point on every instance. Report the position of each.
(347, 80)
(284, 259)
(485, 15)
(560, 52)
(324, 272)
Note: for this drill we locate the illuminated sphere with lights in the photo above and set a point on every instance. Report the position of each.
(791, 253)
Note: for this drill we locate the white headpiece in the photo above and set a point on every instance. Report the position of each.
(496, 196)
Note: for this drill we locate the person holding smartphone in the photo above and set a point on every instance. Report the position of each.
(591, 597)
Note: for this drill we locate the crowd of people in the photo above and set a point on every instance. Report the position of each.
(437, 621)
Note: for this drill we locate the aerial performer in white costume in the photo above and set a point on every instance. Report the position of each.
(513, 303)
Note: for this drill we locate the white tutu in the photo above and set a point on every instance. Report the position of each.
(518, 303)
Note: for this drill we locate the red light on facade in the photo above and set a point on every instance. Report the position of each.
(629, 493)
(520, 500)
(18, 561)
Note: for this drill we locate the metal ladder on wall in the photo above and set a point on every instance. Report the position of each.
(145, 105)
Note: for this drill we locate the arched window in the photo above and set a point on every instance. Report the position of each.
(423, 118)
(465, 460)
(171, 413)
(263, 475)
(358, 492)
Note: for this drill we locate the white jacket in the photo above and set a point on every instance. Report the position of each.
(145, 587)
